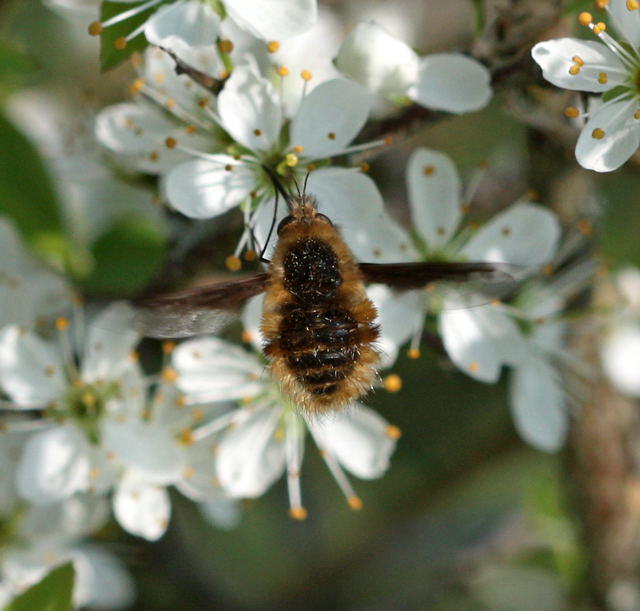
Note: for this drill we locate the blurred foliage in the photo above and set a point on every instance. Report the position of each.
(17, 68)
(53, 593)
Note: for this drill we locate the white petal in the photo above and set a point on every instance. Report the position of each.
(352, 201)
(538, 405)
(250, 457)
(625, 21)
(110, 342)
(222, 513)
(555, 57)
(275, 19)
(620, 354)
(132, 128)
(141, 507)
(249, 110)
(54, 465)
(434, 196)
(330, 117)
(359, 438)
(481, 340)
(182, 25)
(400, 315)
(149, 448)
(211, 369)
(203, 188)
(622, 137)
(378, 61)
(524, 234)
(454, 83)
(101, 581)
(31, 371)
(252, 319)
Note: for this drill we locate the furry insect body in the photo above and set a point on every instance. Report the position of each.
(318, 323)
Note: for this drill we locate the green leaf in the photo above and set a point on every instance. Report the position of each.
(53, 593)
(27, 196)
(15, 67)
(126, 257)
(110, 57)
(615, 92)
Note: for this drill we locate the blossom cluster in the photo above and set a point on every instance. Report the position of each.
(231, 103)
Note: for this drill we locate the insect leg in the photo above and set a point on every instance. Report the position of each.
(273, 223)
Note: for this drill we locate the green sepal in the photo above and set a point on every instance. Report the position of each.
(53, 593)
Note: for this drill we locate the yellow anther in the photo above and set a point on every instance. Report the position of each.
(306, 75)
(171, 142)
(572, 112)
(225, 46)
(574, 70)
(603, 78)
(602, 4)
(188, 472)
(355, 502)
(636, 114)
(134, 356)
(170, 103)
(154, 156)
(578, 60)
(283, 71)
(169, 375)
(429, 170)
(203, 102)
(250, 255)
(392, 383)
(160, 78)
(599, 27)
(168, 347)
(585, 227)
(186, 437)
(120, 43)
(233, 263)
(413, 353)
(136, 86)
(191, 129)
(331, 135)
(89, 399)
(298, 513)
(291, 160)
(223, 74)
(62, 323)
(181, 401)
(364, 167)
(273, 46)
(246, 337)
(257, 132)
(585, 18)
(95, 28)
(598, 133)
(197, 415)
(298, 148)
(393, 431)
(474, 366)
(311, 167)
(633, 5)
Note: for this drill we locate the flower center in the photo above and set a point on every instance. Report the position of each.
(86, 403)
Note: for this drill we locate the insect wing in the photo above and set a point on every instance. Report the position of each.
(449, 285)
(204, 309)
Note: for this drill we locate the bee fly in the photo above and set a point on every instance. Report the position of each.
(318, 325)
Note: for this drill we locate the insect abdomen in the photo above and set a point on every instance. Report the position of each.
(320, 339)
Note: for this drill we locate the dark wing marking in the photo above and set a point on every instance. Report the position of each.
(203, 309)
(406, 276)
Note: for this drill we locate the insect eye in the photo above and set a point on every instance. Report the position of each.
(285, 221)
(324, 218)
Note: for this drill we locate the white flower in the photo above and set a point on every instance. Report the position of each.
(78, 393)
(183, 24)
(390, 68)
(612, 133)
(620, 348)
(39, 538)
(29, 292)
(257, 443)
(158, 449)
